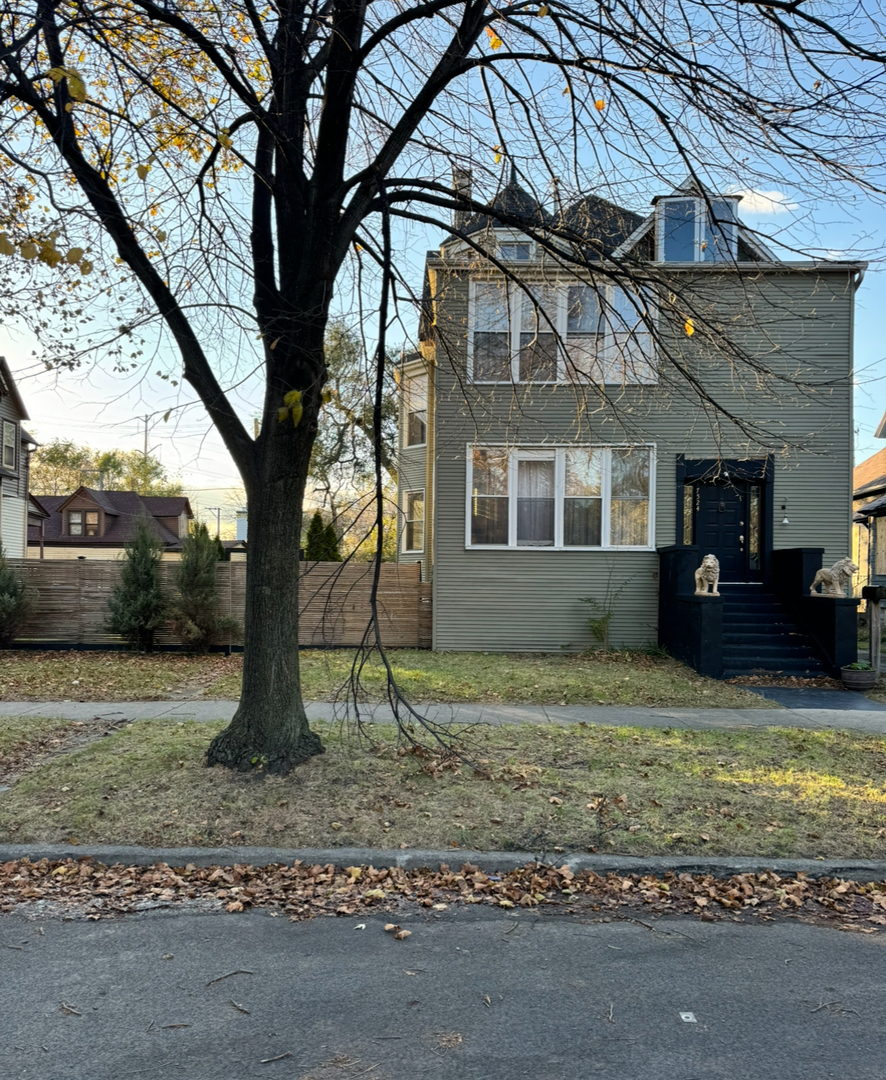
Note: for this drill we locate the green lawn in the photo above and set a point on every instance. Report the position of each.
(615, 678)
(762, 792)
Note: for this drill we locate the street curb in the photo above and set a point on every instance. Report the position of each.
(419, 858)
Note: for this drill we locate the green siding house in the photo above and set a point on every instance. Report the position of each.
(584, 409)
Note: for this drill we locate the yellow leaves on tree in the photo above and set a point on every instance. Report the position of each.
(599, 104)
(495, 41)
(292, 406)
(76, 83)
(689, 327)
(142, 171)
(543, 10)
(224, 138)
(46, 252)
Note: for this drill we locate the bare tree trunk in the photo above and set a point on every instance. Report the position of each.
(270, 728)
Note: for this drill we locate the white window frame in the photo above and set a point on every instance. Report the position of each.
(701, 220)
(406, 519)
(10, 442)
(516, 294)
(557, 452)
(80, 522)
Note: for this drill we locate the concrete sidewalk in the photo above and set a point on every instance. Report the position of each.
(871, 721)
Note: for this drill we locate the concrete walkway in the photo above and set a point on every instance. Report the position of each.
(872, 721)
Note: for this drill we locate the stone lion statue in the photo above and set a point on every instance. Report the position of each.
(832, 582)
(707, 576)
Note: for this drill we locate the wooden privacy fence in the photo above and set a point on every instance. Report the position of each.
(70, 602)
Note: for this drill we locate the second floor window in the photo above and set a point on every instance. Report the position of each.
(599, 334)
(10, 437)
(416, 394)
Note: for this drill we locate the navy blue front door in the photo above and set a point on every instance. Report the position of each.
(727, 524)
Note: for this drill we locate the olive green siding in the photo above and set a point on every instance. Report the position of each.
(796, 324)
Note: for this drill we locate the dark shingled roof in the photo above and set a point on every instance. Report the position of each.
(122, 508)
(589, 218)
(595, 219)
(514, 201)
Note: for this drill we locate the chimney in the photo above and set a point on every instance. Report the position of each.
(461, 185)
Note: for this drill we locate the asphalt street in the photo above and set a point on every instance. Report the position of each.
(471, 993)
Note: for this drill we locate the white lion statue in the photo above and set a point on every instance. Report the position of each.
(832, 582)
(707, 576)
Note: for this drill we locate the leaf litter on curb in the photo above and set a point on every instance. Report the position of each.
(93, 890)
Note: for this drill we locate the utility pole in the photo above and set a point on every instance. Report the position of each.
(217, 510)
(145, 451)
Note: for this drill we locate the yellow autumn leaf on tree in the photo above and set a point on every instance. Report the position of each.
(689, 327)
(142, 171)
(495, 41)
(543, 10)
(28, 250)
(225, 139)
(76, 84)
(85, 266)
(6, 245)
(56, 74)
(497, 156)
(161, 235)
(74, 255)
(599, 104)
(292, 407)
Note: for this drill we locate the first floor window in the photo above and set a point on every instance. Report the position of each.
(414, 531)
(564, 497)
(9, 441)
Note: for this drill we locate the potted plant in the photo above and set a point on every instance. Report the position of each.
(860, 676)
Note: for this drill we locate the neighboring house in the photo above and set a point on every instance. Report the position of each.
(869, 518)
(97, 524)
(548, 452)
(16, 512)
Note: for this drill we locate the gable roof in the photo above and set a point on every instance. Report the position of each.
(870, 476)
(7, 386)
(513, 201)
(122, 510)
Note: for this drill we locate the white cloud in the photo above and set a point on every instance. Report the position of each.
(764, 202)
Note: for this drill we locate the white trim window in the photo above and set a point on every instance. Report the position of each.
(692, 229)
(548, 333)
(562, 498)
(414, 521)
(10, 439)
(415, 394)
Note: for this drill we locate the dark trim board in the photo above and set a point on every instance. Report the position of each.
(761, 469)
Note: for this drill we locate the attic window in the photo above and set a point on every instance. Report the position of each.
(693, 229)
(514, 251)
(10, 434)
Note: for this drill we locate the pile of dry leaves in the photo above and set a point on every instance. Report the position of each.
(86, 887)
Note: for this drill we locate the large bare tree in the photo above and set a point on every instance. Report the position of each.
(211, 172)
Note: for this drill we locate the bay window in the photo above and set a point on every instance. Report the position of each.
(560, 497)
(548, 333)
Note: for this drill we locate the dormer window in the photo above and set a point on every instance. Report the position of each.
(694, 229)
(83, 522)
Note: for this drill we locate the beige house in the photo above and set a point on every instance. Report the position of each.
(97, 524)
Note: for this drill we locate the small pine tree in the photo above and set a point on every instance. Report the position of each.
(195, 615)
(330, 536)
(315, 541)
(13, 602)
(137, 604)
